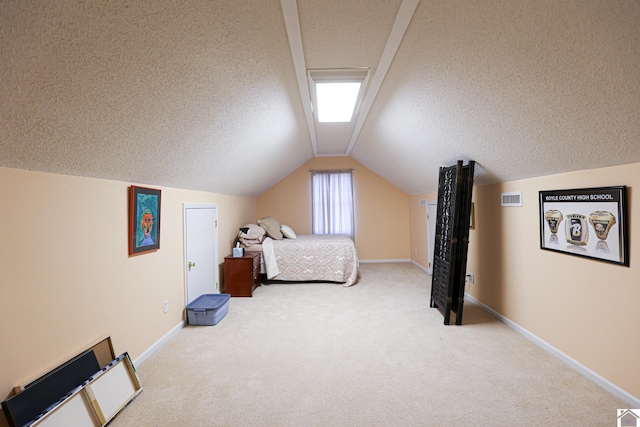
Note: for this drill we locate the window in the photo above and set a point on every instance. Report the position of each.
(336, 101)
(336, 93)
(332, 199)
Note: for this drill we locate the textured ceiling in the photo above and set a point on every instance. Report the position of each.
(204, 95)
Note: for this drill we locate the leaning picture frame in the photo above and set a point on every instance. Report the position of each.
(588, 222)
(144, 220)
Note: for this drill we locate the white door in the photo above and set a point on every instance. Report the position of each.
(432, 211)
(200, 250)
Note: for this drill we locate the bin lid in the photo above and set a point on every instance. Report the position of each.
(209, 301)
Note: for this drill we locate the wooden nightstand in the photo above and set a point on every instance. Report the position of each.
(242, 274)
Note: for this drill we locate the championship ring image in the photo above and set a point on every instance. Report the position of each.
(602, 247)
(576, 230)
(602, 222)
(554, 218)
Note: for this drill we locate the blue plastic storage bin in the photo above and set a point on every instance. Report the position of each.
(207, 309)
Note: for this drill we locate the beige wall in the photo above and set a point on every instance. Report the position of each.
(587, 309)
(65, 274)
(66, 278)
(381, 209)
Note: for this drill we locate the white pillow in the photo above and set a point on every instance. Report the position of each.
(288, 232)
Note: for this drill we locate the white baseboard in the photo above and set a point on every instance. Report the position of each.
(426, 270)
(371, 261)
(621, 394)
(158, 344)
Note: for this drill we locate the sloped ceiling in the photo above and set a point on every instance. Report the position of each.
(207, 95)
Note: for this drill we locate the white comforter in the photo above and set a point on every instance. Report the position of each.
(311, 257)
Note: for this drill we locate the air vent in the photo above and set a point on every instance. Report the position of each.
(513, 198)
(423, 202)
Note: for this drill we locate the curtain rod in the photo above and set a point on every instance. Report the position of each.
(330, 170)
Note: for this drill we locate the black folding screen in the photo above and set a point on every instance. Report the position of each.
(455, 187)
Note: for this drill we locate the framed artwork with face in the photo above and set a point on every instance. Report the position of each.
(144, 220)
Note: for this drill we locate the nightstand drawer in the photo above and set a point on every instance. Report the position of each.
(242, 274)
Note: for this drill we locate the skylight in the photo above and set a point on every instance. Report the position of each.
(336, 101)
(336, 93)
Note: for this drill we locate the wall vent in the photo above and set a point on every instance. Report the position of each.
(423, 202)
(513, 198)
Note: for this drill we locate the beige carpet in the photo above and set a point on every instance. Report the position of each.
(373, 354)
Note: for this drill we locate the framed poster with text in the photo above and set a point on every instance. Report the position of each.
(589, 222)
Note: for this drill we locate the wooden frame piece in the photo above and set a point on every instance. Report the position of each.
(40, 393)
(102, 348)
(98, 400)
(144, 220)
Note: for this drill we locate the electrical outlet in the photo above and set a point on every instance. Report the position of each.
(470, 277)
(165, 306)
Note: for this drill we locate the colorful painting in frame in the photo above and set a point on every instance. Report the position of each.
(144, 220)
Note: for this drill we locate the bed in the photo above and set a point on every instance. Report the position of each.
(302, 258)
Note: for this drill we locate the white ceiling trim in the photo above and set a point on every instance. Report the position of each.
(405, 14)
(292, 22)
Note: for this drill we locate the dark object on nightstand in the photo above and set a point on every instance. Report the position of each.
(242, 274)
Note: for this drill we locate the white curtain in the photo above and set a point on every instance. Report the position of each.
(333, 211)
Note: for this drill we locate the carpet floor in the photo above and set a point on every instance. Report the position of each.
(374, 354)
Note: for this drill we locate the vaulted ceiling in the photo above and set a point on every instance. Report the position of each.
(211, 95)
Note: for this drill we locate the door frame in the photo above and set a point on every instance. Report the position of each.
(186, 206)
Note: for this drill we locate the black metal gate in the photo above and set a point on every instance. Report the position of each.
(455, 187)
